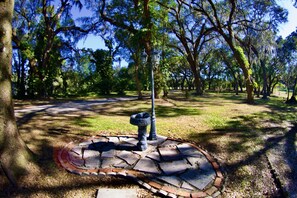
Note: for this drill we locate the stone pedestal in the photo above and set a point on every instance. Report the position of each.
(142, 120)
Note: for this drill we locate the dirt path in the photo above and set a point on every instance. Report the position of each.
(283, 158)
(69, 106)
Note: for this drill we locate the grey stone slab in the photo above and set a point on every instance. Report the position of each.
(193, 161)
(170, 154)
(197, 178)
(118, 193)
(187, 186)
(77, 149)
(114, 139)
(169, 143)
(200, 163)
(108, 153)
(110, 161)
(128, 156)
(123, 138)
(86, 143)
(189, 151)
(98, 143)
(142, 154)
(129, 140)
(147, 165)
(160, 139)
(205, 165)
(122, 164)
(173, 180)
(75, 154)
(92, 162)
(126, 146)
(107, 146)
(100, 139)
(76, 159)
(154, 155)
(90, 153)
(174, 167)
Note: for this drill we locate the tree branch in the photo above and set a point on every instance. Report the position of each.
(114, 22)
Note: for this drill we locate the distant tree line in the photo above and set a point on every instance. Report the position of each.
(201, 46)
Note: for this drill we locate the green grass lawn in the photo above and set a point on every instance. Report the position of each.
(222, 123)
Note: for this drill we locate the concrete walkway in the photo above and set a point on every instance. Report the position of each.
(69, 106)
(168, 167)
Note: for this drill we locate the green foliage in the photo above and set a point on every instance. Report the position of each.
(242, 56)
(103, 62)
(256, 85)
(53, 66)
(123, 81)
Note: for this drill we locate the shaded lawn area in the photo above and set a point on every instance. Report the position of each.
(229, 129)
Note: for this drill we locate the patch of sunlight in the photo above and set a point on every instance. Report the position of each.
(215, 120)
(106, 123)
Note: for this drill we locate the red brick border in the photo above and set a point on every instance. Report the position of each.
(61, 158)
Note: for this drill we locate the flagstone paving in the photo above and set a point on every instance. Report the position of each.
(170, 168)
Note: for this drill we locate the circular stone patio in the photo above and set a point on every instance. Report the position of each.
(168, 167)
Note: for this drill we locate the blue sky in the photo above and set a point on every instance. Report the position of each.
(95, 42)
(290, 26)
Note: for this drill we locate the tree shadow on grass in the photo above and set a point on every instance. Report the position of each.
(68, 187)
(45, 126)
(42, 131)
(245, 140)
(129, 108)
(234, 138)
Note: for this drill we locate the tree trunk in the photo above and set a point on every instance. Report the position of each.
(264, 76)
(197, 81)
(240, 85)
(183, 83)
(14, 154)
(236, 87)
(269, 89)
(272, 87)
(258, 91)
(294, 87)
(244, 65)
(22, 86)
(209, 83)
(288, 92)
(137, 81)
(292, 100)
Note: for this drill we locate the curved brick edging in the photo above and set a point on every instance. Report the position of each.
(149, 181)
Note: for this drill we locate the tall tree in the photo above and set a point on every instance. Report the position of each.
(25, 23)
(192, 34)
(289, 54)
(43, 39)
(14, 154)
(227, 16)
(103, 62)
(136, 17)
(232, 69)
(264, 53)
(132, 49)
